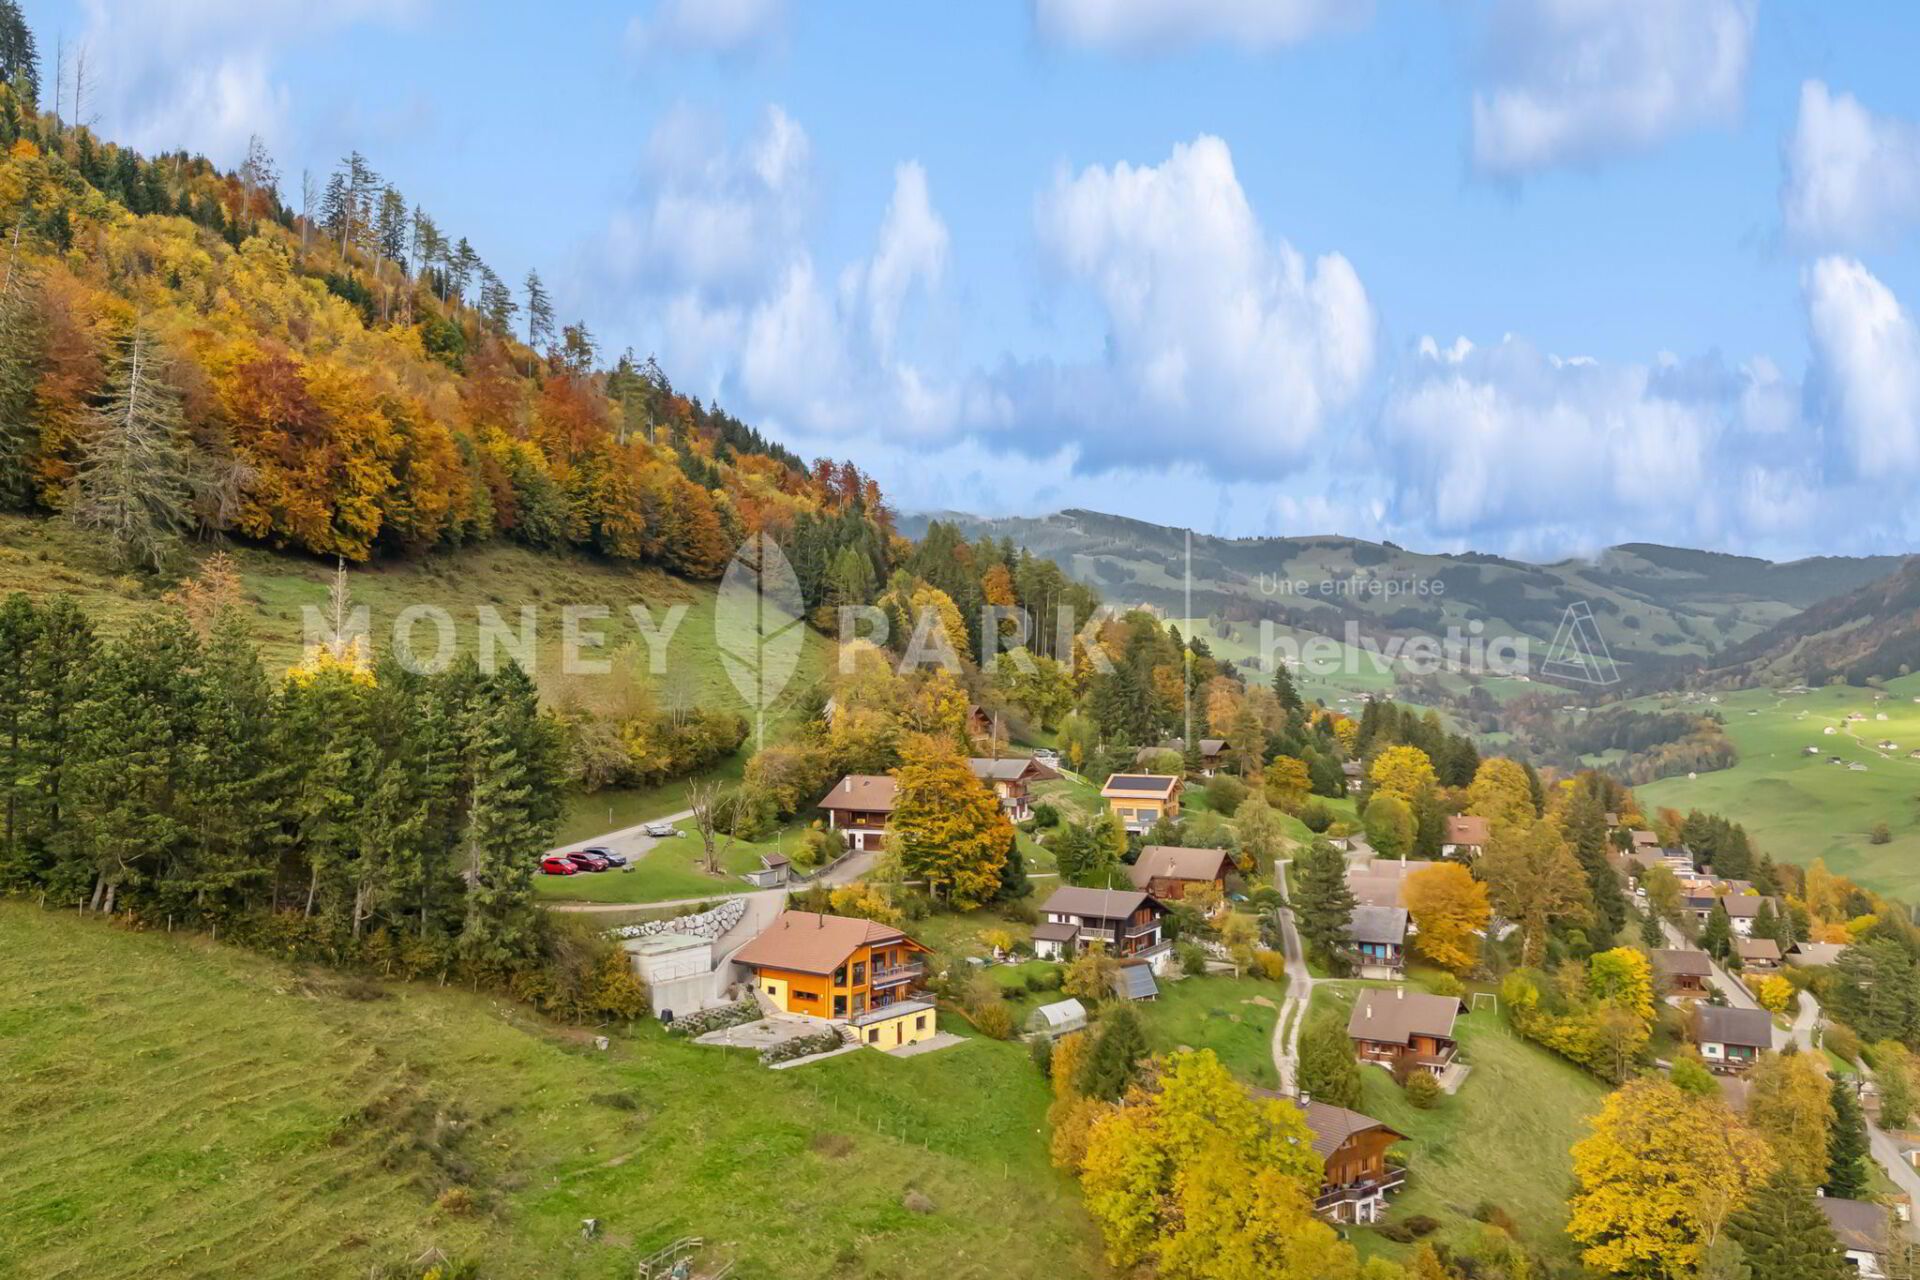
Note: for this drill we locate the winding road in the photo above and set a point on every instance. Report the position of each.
(1299, 997)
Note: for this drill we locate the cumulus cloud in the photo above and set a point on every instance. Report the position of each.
(1867, 367)
(1852, 177)
(202, 74)
(1581, 81)
(1150, 25)
(723, 27)
(1221, 342)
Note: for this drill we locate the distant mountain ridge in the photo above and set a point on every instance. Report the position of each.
(1656, 606)
(1872, 631)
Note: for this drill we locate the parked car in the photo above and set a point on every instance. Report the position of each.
(558, 867)
(601, 851)
(588, 861)
(661, 830)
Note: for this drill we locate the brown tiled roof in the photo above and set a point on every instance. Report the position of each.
(1375, 891)
(861, 793)
(1466, 829)
(1643, 839)
(1010, 769)
(1683, 964)
(1743, 906)
(1099, 904)
(1751, 1027)
(1172, 862)
(1331, 1125)
(1395, 1017)
(808, 942)
(1757, 948)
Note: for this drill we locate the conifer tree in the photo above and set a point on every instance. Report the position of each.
(1322, 902)
(1118, 1045)
(131, 482)
(62, 665)
(1284, 689)
(1327, 1070)
(539, 312)
(1785, 1236)
(1847, 1152)
(22, 347)
(1717, 937)
(1586, 827)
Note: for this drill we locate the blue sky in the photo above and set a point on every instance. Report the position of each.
(1529, 276)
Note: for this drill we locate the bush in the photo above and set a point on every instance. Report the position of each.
(1316, 817)
(1494, 1216)
(1038, 980)
(1880, 834)
(994, 1021)
(1040, 1049)
(1271, 965)
(1423, 1091)
(1193, 959)
(1407, 1230)
(1045, 815)
(1842, 1040)
(1225, 793)
(1445, 984)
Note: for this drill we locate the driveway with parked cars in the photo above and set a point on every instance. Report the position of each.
(618, 849)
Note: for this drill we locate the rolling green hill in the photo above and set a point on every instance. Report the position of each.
(174, 1107)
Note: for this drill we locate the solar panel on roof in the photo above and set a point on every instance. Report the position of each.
(1145, 781)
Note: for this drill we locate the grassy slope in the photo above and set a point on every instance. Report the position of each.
(1799, 807)
(173, 1107)
(1504, 1138)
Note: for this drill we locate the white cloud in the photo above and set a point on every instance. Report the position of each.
(1151, 25)
(1852, 177)
(912, 250)
(1867, 366)
(1221, 343)
(1580, 81)
(707, 26)
(202, 74)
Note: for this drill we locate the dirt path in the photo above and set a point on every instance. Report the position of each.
(1293, 1010)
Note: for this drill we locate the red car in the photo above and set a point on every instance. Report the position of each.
(589, 861)
(558, 867)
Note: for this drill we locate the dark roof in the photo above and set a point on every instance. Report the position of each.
(1743, 906)
(1683, 964)
(1331, 1125)
(1047, 931)
(1395, 1017)
(1757, 948)
(1174, 862)
(1141, 784)
(1009, 769)
(1751, 1027)
(1856, 1224)
(1098, 904)
(1378, 924)
(861, 793)
(1135, 982)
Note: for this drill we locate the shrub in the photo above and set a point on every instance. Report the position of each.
(1040, 1049)
(1045, 815)
(1271, 965)
(994, 1021)
(1407, 1230)
(1445, 984)
(732, 1015)
(1494, 1216)
(1193, 959)
(1842, 1040)
(1880, 834)
(1423, 1091)
(1225, 793)
(1316, 817)
(803, 1046)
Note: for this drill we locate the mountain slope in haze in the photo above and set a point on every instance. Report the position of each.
(1655, 606)
(1872, 631)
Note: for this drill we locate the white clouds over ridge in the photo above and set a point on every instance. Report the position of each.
(1581, 81)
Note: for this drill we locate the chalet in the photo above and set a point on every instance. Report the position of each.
(1404, 1031)
(1683, 973)
(1353, 1150)
(1213, 753)
(1863, 1230)
(1643, 840)
(1809, 954)
(1140, 799)
(1465, 838)
(1377, 883)
(982, 723)
(1731, 1039)
(1010, 779)
(1127, 922)
(1743, 909)
(1355, 775)
(1377, 939)
(859, 972)
(859, 807)
(1757, 955)
(1168, 871)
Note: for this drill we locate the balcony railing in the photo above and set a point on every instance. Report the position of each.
(1390, 1181)
(897, 973)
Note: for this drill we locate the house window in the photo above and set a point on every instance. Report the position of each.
(860, 973)
(920, 1023)
(840, 976)
(839, 1006)
(809, 996)
(873, 1035)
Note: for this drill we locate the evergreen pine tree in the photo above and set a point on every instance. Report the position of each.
(235, 819)
(1327, 1070)
(1717, 937)
(19, 636)
(1119, 1044)
(1587, 834)
(1650, 933)
(1322, 902)
(1785, 1236)
(1283, 687)
(60, 670)
(19, 60)
(22, 347)
(1847, 1153)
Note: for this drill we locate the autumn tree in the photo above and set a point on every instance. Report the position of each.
(1658, 1178)
(1262, 838)
(1790, 1105)
(1390, 826)
(1287, 783)
(1501, 793)
(1449, 909)
(1402, 771)
(1198, 1179)
(1533, 880)
(947, 828)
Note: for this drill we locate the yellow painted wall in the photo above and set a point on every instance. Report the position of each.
(895, 1032)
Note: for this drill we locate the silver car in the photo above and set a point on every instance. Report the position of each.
(661, 830)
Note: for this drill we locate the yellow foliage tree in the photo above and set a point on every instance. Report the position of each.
(1288, 783)
(1402, 771)
(947, 828)
(1447, 906)
(1534, 880)
(1656, 1181)
(1500, 793)
(1790, 1104)
(1774, 992)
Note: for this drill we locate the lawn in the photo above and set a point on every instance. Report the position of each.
(173, 1107)
(1234, 1017)
(671, 870)
(1799, 807)
(1503, 1139)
